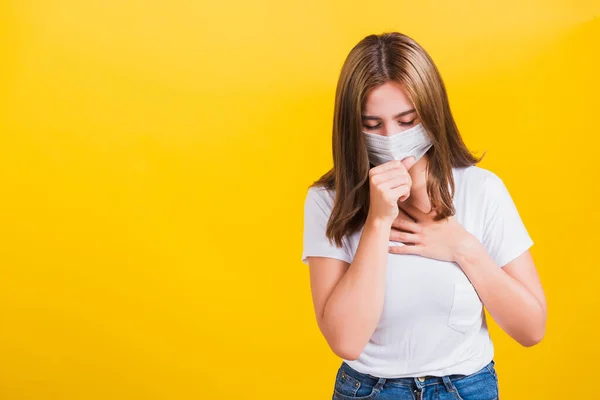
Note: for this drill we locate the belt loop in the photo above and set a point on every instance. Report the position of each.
(379, 385)
(448, 383)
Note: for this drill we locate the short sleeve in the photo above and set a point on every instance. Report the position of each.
(504, 236)
(317, 210)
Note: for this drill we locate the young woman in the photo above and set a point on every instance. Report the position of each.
(406, 239)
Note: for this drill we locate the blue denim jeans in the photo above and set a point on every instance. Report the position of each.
(352, 385)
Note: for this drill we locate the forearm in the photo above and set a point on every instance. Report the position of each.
(514, 308)
(354, 307)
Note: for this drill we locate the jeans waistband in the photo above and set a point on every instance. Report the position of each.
(418, 381)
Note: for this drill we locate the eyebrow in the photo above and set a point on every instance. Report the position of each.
(412, 110)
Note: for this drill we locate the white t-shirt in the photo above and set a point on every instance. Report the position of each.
(432, 321)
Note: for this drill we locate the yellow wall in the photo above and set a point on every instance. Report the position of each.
(154, 158)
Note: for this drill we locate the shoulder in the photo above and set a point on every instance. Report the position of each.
(321, 196)
(478, 180)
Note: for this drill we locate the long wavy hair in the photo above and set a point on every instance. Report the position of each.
(377, 59)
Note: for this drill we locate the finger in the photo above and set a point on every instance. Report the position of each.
(395, 181)
(409, 162)
(387, 166)
(406, 249)
(398, 192)
(404, 237)
(405, 225)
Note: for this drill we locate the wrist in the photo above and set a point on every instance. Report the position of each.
(379, 222)
(468, 249)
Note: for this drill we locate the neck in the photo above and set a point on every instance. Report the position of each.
(418, 174)
(418, 192)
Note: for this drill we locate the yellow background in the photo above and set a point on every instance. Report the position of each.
(154, 157)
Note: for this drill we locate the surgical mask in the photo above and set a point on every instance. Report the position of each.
(398, 146)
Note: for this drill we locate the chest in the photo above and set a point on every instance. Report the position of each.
(420, 287)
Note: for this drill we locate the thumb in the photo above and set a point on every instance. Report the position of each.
(409, 162)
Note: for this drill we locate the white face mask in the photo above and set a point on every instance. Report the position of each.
(411, 142)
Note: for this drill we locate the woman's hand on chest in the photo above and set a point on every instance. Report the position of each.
(441, 240)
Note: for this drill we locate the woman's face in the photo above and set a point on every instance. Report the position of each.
(388, 110)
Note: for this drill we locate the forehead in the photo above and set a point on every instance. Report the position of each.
(389, 99)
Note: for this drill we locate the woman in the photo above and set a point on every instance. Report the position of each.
(406, 239)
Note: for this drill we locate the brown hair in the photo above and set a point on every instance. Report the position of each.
(377, 59)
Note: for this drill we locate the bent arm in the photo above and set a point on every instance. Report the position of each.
(513, 295)
(349, 298)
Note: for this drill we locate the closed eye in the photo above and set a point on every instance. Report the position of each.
(399, 122)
